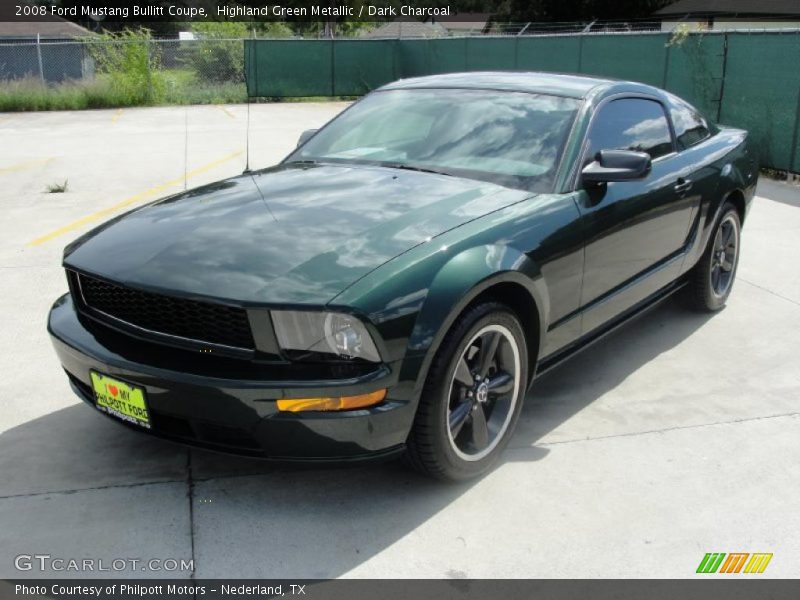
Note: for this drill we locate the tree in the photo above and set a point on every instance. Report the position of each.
(582, 10)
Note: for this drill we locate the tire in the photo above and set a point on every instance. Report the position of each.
(711, 279)
(450, 439)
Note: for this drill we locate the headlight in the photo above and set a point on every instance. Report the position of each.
(327, 333)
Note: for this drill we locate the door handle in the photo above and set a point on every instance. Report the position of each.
(683, 185)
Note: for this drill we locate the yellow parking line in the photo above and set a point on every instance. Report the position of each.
(226, 111)
(132, 200)
(28, 164)
(116, 116)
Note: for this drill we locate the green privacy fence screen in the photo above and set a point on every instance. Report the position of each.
(744, 79)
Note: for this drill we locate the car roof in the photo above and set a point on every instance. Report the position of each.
(559, 84)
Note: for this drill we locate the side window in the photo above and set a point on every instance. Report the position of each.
(690, 126)
(631, 124)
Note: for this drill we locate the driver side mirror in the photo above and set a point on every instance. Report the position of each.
(305, 136)
(617, 165)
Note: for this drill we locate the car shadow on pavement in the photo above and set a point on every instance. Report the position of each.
(256, 519)
(572, 386)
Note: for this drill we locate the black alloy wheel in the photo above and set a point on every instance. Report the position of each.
(472, 396)
(711, 280)
(483, 391)
(725, 255)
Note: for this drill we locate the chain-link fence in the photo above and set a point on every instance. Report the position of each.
(453, 28)
(204, 70)
(48, 62)
(746, 79)
(38, 74)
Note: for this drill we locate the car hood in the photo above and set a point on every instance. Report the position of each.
(289, 234)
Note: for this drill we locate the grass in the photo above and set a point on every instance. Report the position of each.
(175, 87)
(57, 188)
(31, 94)
(28, 94)
(181, 86)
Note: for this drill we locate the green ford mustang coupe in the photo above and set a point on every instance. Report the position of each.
(395, 285)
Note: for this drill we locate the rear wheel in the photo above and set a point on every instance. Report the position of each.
(712, 278)
(473, 395)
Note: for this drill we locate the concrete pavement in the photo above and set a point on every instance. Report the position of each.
(674, 437)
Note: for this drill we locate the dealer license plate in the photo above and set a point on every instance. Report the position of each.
(120, 399)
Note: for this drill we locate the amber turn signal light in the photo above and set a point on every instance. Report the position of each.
(331, 403)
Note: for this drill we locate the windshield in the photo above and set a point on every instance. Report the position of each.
(511, 138)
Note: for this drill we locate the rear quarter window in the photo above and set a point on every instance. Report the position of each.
(690, 126)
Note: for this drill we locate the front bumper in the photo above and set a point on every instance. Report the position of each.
(229, 405)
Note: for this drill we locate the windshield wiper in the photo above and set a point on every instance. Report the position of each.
(407, 167)
(404, 166)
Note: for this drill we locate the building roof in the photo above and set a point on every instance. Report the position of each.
(405, 28)
(463, 22)
(731, 7)
(51, 28)
(573, 86)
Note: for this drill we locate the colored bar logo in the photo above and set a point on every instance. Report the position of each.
(736, 562)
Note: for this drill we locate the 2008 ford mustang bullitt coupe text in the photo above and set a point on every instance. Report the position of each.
(394, 285)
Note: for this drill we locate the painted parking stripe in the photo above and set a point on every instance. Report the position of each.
(226, 111)
(148, 193)
(28, 164)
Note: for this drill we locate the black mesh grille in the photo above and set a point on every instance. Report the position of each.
(201, 321)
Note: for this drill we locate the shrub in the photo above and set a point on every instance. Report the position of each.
(220, 55)
(131, 63)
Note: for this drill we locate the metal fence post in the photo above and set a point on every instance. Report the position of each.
(333, 66)
(796, 134)
(149, 71)
(795, 140)
(395, 58)
(724, 74)
(39, 56)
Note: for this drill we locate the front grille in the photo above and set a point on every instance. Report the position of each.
(199, 321)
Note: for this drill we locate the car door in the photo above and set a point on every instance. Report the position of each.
(634, 230)
(699, 165)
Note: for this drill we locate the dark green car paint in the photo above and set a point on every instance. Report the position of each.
(404, 251)
(301, 237)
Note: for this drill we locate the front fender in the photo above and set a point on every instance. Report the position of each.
(460, 280)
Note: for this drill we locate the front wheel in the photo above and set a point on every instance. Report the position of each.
(473, 395)
(711, 280)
